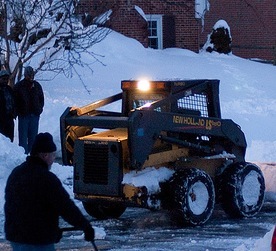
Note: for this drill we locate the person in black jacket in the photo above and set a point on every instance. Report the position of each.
(7, 106)
(34, 200)
(29, 100)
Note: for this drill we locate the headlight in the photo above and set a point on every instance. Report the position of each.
(143, 85)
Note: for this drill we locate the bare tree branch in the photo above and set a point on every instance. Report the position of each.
(51, 32)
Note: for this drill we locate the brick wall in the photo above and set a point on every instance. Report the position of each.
(252, 25)
(182, 13)
(129, 22)
(252, 22)
(125, 19)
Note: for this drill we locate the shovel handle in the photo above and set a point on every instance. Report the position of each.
(68, 229)
(94, 245)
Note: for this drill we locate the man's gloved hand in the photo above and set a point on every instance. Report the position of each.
(89, 234)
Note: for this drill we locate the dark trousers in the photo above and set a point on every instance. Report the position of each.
(27, 130)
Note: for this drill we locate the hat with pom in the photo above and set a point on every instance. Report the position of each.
(43, 143)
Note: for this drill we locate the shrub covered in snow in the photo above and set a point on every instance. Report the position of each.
(220, 38)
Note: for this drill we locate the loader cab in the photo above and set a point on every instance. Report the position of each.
(192, 97)
(181, 97)
(140, 94)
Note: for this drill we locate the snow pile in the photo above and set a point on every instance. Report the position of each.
(269, 172)
(247, 93)
(149, 178)
(263, 244)
(11, 155)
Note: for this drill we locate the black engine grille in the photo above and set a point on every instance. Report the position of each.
(95, 164)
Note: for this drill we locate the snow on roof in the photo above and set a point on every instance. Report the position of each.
(141, 12)
(103, 17)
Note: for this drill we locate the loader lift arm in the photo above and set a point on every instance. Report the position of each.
(77, 122)
(142, 130)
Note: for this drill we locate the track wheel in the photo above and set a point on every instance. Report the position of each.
(103, 211)
(242, 190)
(194, 197)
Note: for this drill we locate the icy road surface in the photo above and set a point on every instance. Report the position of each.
(140, 229)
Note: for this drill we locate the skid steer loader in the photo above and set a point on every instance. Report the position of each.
(171, 125)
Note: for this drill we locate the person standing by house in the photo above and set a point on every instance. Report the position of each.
(7, 106)
(34, 200)
(29, 100)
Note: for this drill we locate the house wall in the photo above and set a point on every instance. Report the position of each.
(252, 24)
(126, 20)
(182, 15)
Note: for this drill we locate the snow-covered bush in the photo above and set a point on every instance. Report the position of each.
(220, 38)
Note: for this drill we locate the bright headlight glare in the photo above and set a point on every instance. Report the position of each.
(143, 85)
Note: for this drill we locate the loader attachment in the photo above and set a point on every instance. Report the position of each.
(76, 122)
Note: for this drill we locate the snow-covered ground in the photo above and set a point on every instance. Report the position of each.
(247, 95)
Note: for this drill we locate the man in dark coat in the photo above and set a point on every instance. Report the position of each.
(29, 100)
(7, 106)
(34, 200)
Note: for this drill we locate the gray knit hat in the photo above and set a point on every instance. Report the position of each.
(29, 71)
(4, 73)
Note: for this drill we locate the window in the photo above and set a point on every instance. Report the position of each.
(145, 99)
(155, 31)
(196, 104)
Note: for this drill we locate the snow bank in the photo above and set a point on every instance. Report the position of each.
(149, 177)
(262, 244)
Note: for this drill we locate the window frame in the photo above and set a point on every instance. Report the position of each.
(159, 22)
